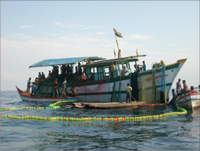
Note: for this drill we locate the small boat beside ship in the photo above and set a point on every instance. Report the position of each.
(189, 100)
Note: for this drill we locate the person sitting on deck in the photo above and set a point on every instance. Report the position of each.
(137, 69)
(50, 74)
(192, 90)
(185, 87)
(74, 92)
(83, 76)
(124, 71)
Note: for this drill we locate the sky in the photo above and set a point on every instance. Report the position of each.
(34, 31)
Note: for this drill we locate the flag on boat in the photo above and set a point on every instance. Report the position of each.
(115, 55)
(137, 52)
(119, 53)
(118, 34)
(117, 43)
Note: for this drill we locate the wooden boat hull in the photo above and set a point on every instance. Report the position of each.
(150, 82)
(25, 96)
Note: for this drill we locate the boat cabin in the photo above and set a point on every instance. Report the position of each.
(102, 69)
(96, 68)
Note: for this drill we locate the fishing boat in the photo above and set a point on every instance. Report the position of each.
(99, 85)
(189, 100)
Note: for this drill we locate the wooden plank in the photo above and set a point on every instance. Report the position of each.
(107, 105)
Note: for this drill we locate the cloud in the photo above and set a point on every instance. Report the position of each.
(101, 33)
(139, 36)
(25, 26)
(51, 34)
(21, 51)
(74, 26)
(61, 25)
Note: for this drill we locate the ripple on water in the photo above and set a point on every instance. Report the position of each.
(175, 133)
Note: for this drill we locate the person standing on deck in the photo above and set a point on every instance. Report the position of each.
(178, 86)
(33, 89)
(28, 83)
(79, 70)
(43, 76)
(76, 68)
(39, 76)
(55, 85)
(185, 87)
(144, 66)
(67, 69)
(112, 69)
(129, 93)
(63, 88)
(171, 103)
(199, 88)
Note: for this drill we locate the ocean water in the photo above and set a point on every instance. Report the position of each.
(174, 133)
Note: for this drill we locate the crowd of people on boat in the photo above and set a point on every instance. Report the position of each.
(139, 68)
(80, 73)
(182, 90)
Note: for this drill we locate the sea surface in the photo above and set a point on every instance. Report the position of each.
(174, 133)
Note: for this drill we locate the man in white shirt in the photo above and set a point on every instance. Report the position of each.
(63, 88)
(124, 71)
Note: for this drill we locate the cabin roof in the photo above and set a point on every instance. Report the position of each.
(108, 62)
(64, 61)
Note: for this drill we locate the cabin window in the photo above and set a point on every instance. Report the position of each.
(100, 73)
(120, 67)
(118, 70)
(94, 70)
(106, 71)
(96, 73)
(100, 70)
(88, 70)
